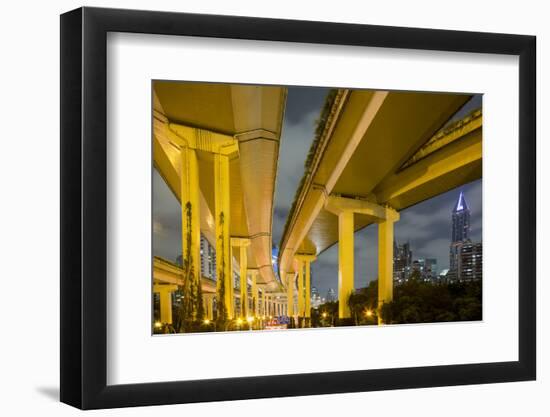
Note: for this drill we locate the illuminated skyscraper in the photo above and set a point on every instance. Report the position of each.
(460, 232)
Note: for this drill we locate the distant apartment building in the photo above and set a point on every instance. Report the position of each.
(208, 259)
(402, 261)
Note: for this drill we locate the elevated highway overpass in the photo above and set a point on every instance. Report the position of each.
(378, 152)
(217, 146)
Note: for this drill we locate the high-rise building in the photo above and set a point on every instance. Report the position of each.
(460, 232)
(402, 261)
(470, 263)
(418, 266)
(331, 295)
(316, 300)
(208, 259)
(430, 268)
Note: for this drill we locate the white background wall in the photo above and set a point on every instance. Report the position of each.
(29, 219)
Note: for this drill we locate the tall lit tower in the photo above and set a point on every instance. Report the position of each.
(460, 230)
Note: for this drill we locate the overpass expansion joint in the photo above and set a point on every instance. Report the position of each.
(256, 134)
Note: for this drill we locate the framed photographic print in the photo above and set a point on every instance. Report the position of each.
(256, 208)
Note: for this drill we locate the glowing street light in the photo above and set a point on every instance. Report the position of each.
(158, 324)
(324, 315)
(368, 313)
(206, 321)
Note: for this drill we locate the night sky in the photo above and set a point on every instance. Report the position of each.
(427, 225)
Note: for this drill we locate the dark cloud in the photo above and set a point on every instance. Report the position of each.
(303, 101)
(302, 110)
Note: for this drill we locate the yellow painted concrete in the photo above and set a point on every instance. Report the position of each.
(190, 212)
(290, 277)
(304, 262)
(385, 258)
(255, 294)
(345, 262)
(301, 295)
(223, 219)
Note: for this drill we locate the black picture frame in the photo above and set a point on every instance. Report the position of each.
(84, 207)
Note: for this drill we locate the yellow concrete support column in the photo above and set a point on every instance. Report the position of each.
(242, 244)
(255, 294)
(208, 302)
(223, 218)
(233, 283)
(244, 282)
(290, 293)
(306, 260)
(190, 216)
(385, 258)
(205, 305)
(301, 301)
(345, 262)
(308, 287)
(165, 292)
(211, 307)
